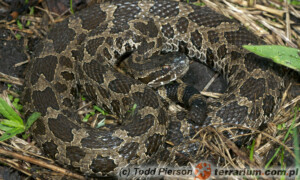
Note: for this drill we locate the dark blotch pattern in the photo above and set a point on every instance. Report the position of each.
(78, 54)
(212, 37)
(147, 98)
(121, 84)
(240, 75)
(222, 51)
(145, 46)
(210, 58)
(26, 96)
(148, 29)
(91, 22)
(61, 40)
(167, 31)
(233, 70)
(60, 87)
(162, 117)
(272, 83)
(128, 151)
(235, 55)
(90, 91)
(241, 37)
(116, 107)
(233, 113)
(93, 44)
(119, 42)
(125, 13)
(196, 38)
(75, 153)
(174, 134)
(253, 88)
(81, 37)
(38, 48)
(102, 164)
(253, 61)
(106, 54)
(64, 61)
(45, 66)
(94, 70)
(153, 143)
(98, 30)
(62, 128)
(50, 148)
(182, 25)
(127, 101)
(268, 106)
(109, 41)
(206, 17)
(44, 99)
(140, 126)
(67, 76)
(165, 9)
(104, 93)
(101, 139)
(40, 127)
(67, 102)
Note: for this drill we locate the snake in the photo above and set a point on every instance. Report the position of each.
(88, 52)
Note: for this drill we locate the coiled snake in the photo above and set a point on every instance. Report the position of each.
(83, 51)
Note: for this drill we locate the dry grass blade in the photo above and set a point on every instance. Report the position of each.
(10, 79)
(40, 163)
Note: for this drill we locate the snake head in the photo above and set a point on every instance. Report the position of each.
(158, 69)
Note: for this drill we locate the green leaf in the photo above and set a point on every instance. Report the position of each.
(8, 112)
(289, 57)
(18, 36)
(100, 110)
(101, 123)
(16, 104)
(5, 128)
(86, 118)
(252, 151)
(296, 142)
(10, 97)
(295, 3)
(71, 7)
(11, 123)
(32, 119)
(11, 133)
(19, 24)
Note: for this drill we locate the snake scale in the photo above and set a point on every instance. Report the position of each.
(84, 50)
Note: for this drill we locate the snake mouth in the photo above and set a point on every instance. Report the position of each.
(174, 72)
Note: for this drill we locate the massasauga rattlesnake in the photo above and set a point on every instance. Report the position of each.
(83, 50)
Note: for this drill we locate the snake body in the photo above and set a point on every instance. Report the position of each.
(84, 50)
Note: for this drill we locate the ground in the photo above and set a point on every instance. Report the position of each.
(274, 21)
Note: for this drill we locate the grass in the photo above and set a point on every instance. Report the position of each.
(14, 124)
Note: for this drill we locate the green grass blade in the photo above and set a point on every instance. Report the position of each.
(12, 124)
(296, 144)
(8, 112)
(31, 120)
(289, 57)
(5, 128)
(252, 151)
(100, 110)
(11, 133)
(278, 149)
